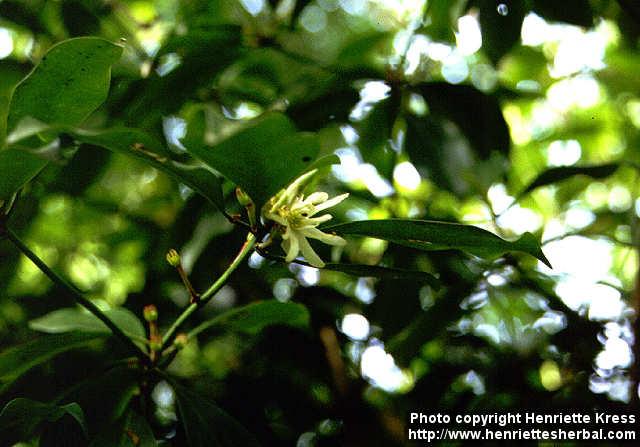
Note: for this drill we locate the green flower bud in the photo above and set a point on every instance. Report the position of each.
(173, 258)
(155, 345)
(181, 341)
(243, 197)
(150, 313)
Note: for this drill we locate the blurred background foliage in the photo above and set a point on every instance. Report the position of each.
(512, 116)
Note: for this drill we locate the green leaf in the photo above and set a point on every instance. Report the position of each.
(500, 33)
(21, 417)
(575, 12)
(254, 317)
(17, 167)
(17, 360)
(558, 174)
(138, 144)
(69, 83)
(105, 398)
(261, 158)
(375, 131)
(11, 73)
(441, 17)
(206, 424)
(432, 235)
(75, 319)
(478, 115)
(132, 430)
(361, 51)
(377, 271)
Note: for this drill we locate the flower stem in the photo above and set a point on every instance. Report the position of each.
(247, 247)
(75, 294)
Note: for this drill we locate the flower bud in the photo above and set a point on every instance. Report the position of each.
(243, 197)
(173, 258)
(150, 313)
(155, 344)
(181, 341)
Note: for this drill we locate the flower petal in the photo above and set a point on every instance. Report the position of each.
(316, 197)
(330, 239)
(310, 255)
(276, 218)
(292, 246)
(315, 221)
(331, 202)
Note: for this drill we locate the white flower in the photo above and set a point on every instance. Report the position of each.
(295, 214)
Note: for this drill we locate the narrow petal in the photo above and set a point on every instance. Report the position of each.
(315, 221)
(293, 188)
(293, 246)
(330, 239)
(316, 197)
(331, 202)
(310, 255)
(276, 218)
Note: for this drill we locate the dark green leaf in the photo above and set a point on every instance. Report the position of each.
(558, 174)
(427, 325)
(11, 74)
(66, 431)
(441, 19)
(17, 167)
(21, 417)
(575, 12)
(431, 235)
(138, 144)
(70, 82)
(204, 52)
(206, 424)
(439, 152)
(315, 113)
(132, 430)
(261, 158)
(375, 133)
(254, 317)
(477, 114)
(17, 360)
(500, 33)
(75, 319)
(105, 398)
(362, 51)
(377, 271)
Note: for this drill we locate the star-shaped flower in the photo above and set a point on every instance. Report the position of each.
(295, 215)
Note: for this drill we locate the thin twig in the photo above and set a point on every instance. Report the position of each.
(206, 296)
(75, 294)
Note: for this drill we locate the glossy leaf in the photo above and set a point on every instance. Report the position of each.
(561, 173)
(17, 360)
(69, 83)
(375, 132)
(477, 114)
(138, 144)
(574, 12)
(254, 317)
(500, 33)
(316, 112)
(75, 319)
(21, 417)
(261, 158)
(18, 167)
(376, 271)
(441, 19)
(106, 398)
(132, 430)
(206, 424)
(431, 235)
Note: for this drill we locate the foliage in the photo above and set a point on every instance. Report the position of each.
(479, 145)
